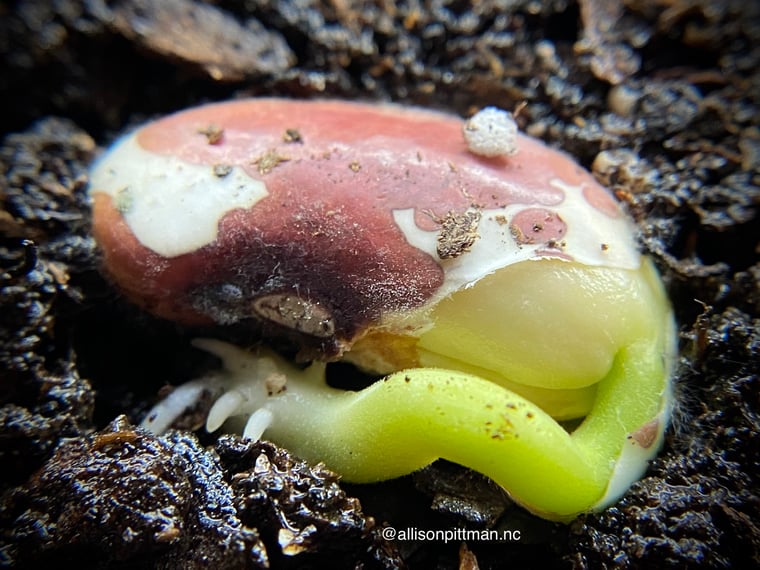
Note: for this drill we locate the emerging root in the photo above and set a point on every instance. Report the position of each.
(249, 385)
(412, 417)
(163, 415)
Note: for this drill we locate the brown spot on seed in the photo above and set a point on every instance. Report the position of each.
(458, 233)
(222, 170)
(646, 435)
(537, 225)
(355, 166)
(213, 133)
(291, 136)
(268, 161)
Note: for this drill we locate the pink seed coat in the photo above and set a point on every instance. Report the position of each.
(322, 253)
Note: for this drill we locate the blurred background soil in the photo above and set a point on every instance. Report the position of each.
(659, 98)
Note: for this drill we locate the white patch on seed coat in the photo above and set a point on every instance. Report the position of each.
(588, 229)
(592, 238)
(172, 207)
